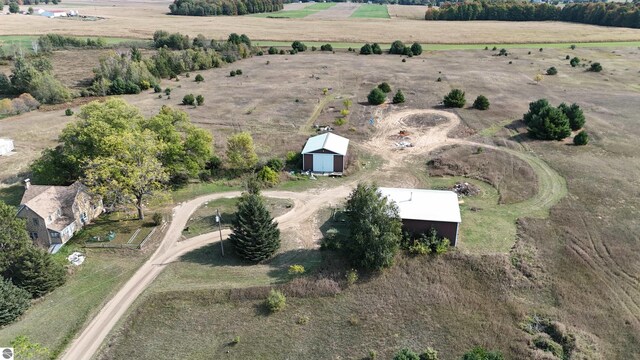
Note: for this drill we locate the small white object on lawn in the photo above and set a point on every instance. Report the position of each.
(77, 258)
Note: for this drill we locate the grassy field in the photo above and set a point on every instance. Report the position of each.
(142, 18)
(560, 255)
(371, 11)
(296, 14)
(203, 220)
(56, 318)
(24, 41)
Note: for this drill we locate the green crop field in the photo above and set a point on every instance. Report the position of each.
(296, 14)
(371, 11)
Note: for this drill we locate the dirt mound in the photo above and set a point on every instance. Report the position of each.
(514, 178)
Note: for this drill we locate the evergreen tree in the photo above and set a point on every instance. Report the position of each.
(255, 235)
(455, 98)
(481, 103)
(385, 87)
(13, 301)
(398, 98)
(581, 139)
(575, 115)
(376, 96)
(375, 227)
(366, 49)
(36, 272)
(416, 49)
(550, 124)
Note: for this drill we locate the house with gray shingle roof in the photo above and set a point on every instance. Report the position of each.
(54, 213)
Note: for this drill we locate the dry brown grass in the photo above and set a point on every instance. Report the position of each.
(140, 19)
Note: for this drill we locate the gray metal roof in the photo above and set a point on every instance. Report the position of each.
(328, 141)
(429, 205)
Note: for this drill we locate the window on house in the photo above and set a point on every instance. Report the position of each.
(54, 234)
(33, 235)
(83, 217)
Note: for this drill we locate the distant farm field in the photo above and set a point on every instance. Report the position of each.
(295, 12)
(372, 11)
(140, 19)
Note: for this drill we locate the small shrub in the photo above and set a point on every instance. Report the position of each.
(373, 355)
(567, 57)
(529, 53)
(574, 62)
(188, 99)
(282, 52)
(167, 91)
(416, 49)
(347, 103)
(494, 48)
(376, 97)
(486, 48)
(540, 49)
(276, 301)
(552, 71)
(296, 269)
(157, 88)
(385, 87)
(503, 52)
(439, 79)
(344, 112)
(68, 112)
(340, 121)
(573, 47)
(313, 48)
(157, 219)
(232, 73)
(595, 67)
(398, 98)
(354, 320)
(406, 354)
(187, 75)
(272, 50)
(200, 100)
(582, 138)
(235, 341)
(455, 98)
(352, 277)
(239, 72)
(268, 176)
(326, 47)
(275, 164)
(298, 46)
(302, 320)
(481, 103)
(199, 78)
(419, 248)
(404, 60)
(429, 354)
(325, 91)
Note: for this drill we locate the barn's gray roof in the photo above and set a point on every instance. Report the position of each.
(427, 205)
(328, 141)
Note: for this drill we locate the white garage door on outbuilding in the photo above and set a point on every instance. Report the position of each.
(326, 153)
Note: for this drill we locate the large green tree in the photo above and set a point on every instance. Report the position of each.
(13, 301)
(131, 173)
(13, 236)
(375, 228)
(241, 153)
(255, 235)
(574, 114)
(546, 122)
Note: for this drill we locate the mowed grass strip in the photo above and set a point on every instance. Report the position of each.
(371, 11)
(296, 14)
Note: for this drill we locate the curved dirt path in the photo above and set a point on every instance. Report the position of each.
(305, 205)
(551, 189)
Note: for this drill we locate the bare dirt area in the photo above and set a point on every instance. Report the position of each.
(140, 19)
(413, 12)
(514, 178)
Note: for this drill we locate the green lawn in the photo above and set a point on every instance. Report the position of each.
(12, 195)
(56, 318)
(372, 11)
(192, 191)
(296, 14)
(203, 219)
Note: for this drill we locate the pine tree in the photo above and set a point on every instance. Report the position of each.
(255, 235)
(13, 301)
(398, 98)
(36, 272)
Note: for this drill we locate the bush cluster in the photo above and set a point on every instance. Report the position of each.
(399, 48)
(368, 49)
(548, 123)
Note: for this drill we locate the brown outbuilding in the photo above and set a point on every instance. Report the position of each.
(326, 153)
(421, 210)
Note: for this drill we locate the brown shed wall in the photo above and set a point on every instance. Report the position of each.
(338, 163)
(445, 229)
(308, 162)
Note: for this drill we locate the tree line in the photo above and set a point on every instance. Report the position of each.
(223, 7)
(606, 14)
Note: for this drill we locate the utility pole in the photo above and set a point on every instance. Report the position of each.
(220, 230)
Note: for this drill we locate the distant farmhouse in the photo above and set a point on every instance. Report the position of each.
(326, 153)
(421, 210)
(55, 213)
(54, 13)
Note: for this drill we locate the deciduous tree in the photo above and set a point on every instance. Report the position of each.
(241, 153)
